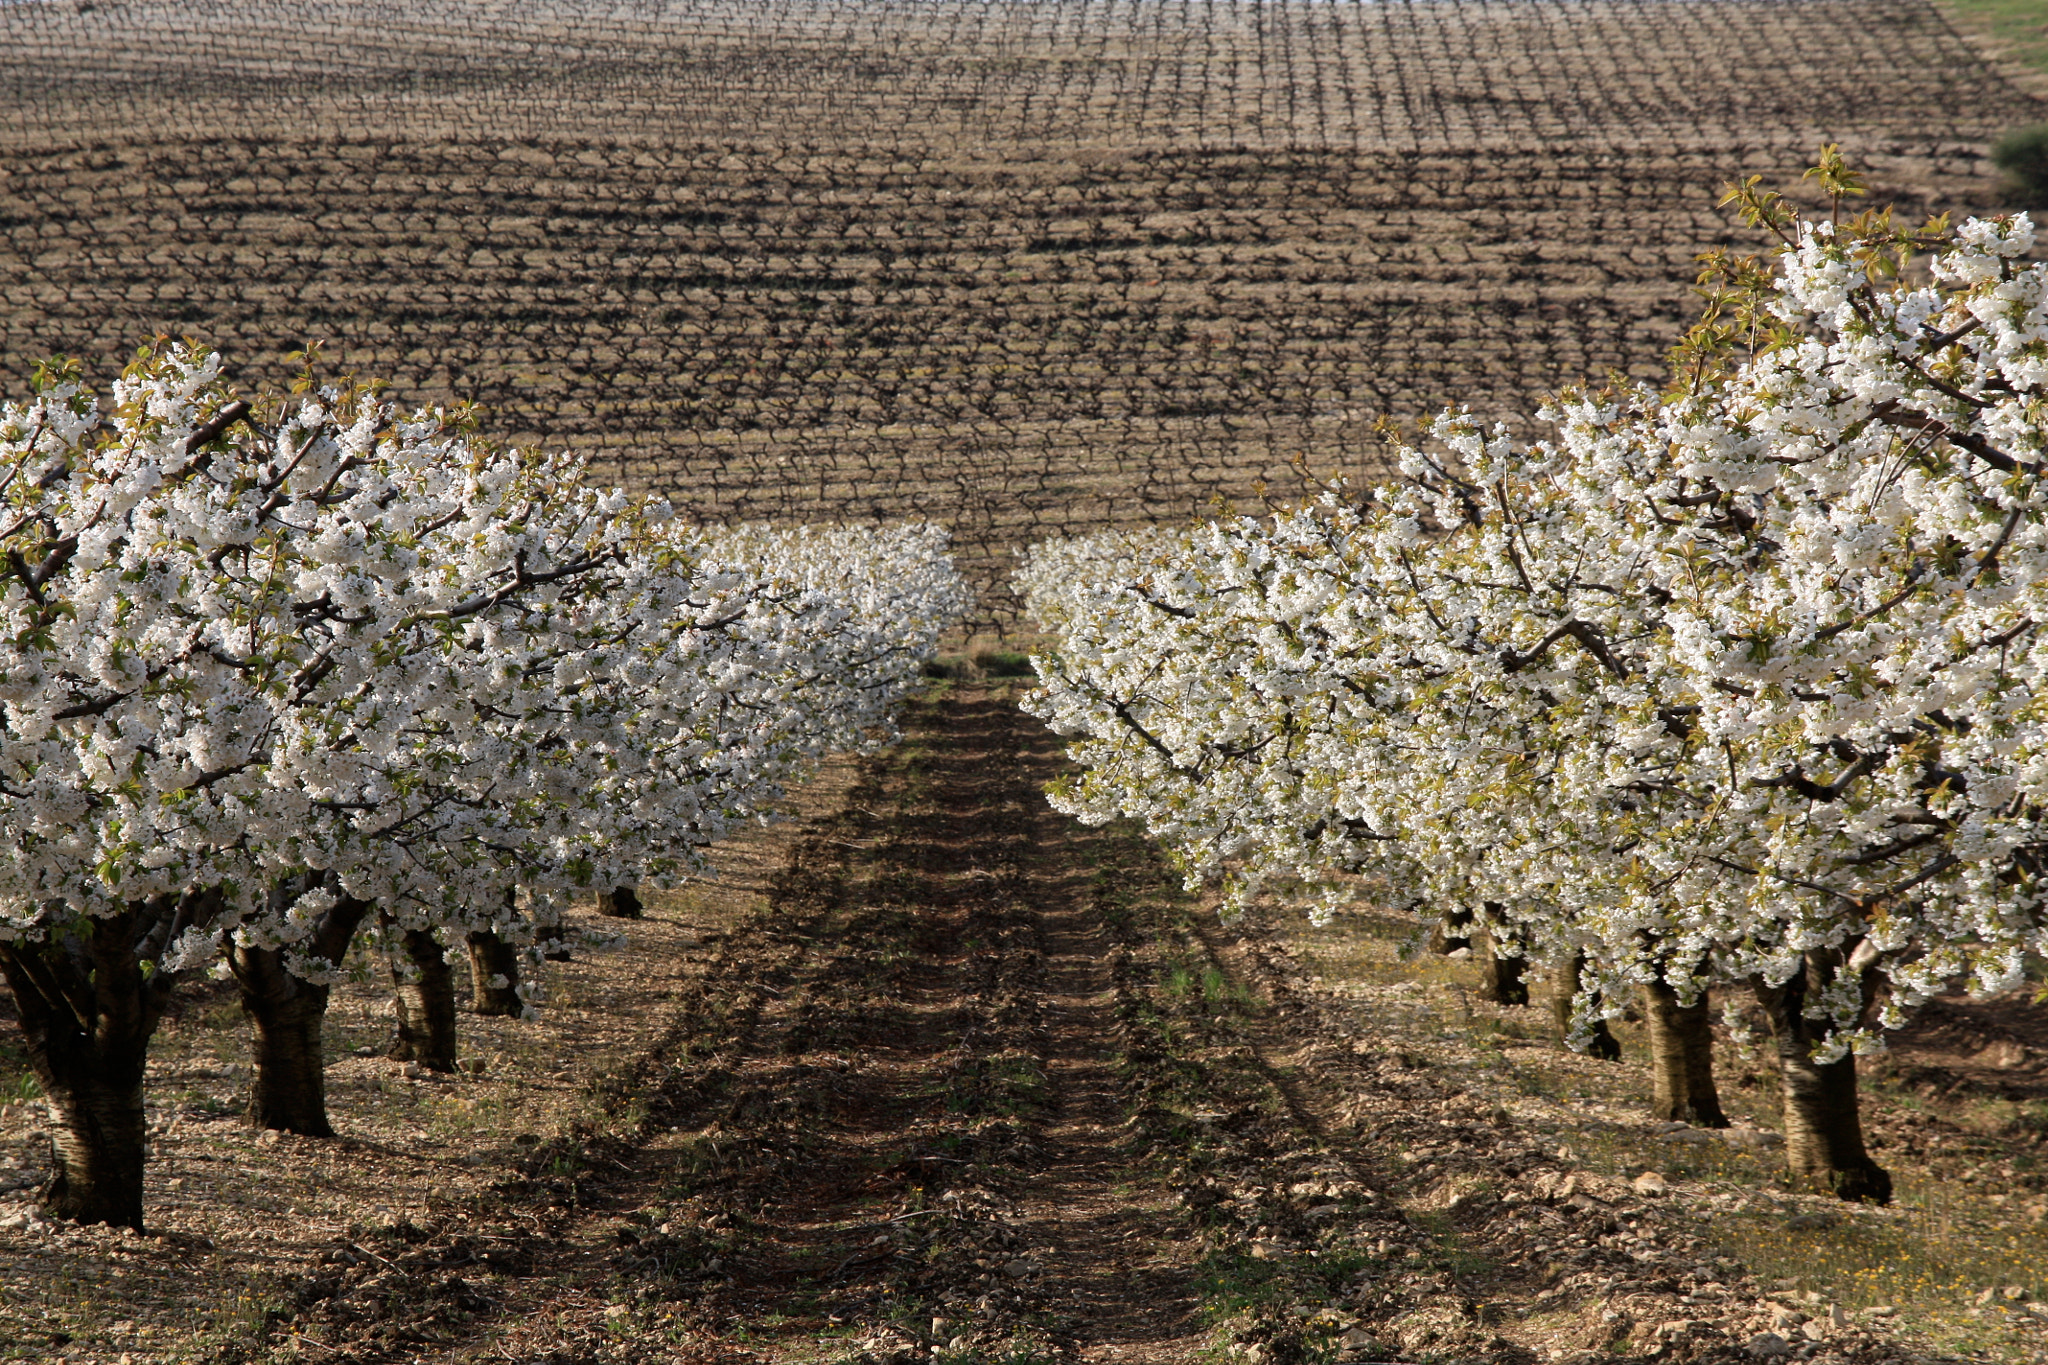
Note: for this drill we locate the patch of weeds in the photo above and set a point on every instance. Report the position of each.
(1447, 1249)
(203, 1105)
(1944, 1275)
(1007, 1084)
(2014, 25)
(461, 1116)
(1254, 1301)
(1004, 663)
(1218, 989)
(1184, 982)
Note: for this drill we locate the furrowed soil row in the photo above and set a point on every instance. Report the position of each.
(1026, 269)
(1354, 1201)
(978, 1084)
(985, 1085)
(890, 1120)
(417, 1286)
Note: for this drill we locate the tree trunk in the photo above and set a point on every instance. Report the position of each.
(621, 902)
(89, 998)
(100, 1147)
(290, 1088)
(1681, 1058)
(1500, 973)
(426, 1005)
(494, 964)
(1566, 990)
(288, 1014)
(1823, 1126)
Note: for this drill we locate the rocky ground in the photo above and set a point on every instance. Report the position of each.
(936, 1074)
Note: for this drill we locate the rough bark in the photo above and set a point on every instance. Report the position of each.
(1501, 968)
(289, 1092)
(288, 1015)
(426, 1005)
(621, 902)
(1566, 990)
(1681, 1058)
(494, 965)
(89, 999)
(1823, 1123)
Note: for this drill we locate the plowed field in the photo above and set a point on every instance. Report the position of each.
(1021, 267)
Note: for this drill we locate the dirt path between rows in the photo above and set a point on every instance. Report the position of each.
(891, 1120)
(943, 1076)
(978, 1084)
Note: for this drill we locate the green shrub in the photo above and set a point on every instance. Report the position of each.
(1003, 663)
(2023, 155)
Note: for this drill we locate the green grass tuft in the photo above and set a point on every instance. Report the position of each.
(2023, 155)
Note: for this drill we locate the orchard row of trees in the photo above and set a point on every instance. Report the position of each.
(273, 677)
(1737, 684)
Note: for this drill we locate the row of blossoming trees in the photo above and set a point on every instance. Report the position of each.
(1736, 685)
(272, 677)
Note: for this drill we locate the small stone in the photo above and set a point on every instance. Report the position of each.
(267, 1138)
(1650, 1185)
(475, 1066)
(1814, 1330)
(1837, 1319)
(1786, 1319)
(1880, 1310)
(366, 1052)
(1811, 1222)
(2014, 1293)
(1986, 1296)
(1018, 1268)
(1768, 1346)
(415, 1072)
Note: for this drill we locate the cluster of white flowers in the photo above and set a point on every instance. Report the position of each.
(1712, 683)
(371, 646)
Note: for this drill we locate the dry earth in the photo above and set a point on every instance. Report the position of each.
(1021, 267)
(936, 1074)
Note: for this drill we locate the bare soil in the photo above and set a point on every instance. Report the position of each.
(936, 1074)
(1022, 268)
